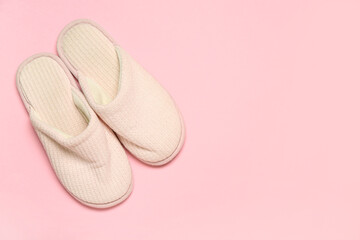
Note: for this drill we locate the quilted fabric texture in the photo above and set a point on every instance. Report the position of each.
(85, 154)
(122, 93)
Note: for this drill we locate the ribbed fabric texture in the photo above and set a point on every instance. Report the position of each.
(91, 164)
(50, 96)
(93, 56)
(142, 113)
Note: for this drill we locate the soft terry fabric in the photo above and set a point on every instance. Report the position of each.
(122, 93)
(85, 154)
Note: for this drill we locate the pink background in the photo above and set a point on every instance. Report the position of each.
(270, 95)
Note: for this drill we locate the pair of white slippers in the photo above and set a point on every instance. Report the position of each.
(76, 128)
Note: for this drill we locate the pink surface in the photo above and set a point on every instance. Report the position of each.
(270, 95)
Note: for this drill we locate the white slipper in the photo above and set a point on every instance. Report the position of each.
(85, 154)
(122, 93)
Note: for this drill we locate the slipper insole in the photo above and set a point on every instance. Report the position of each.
(47, 88)
(92, 54)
